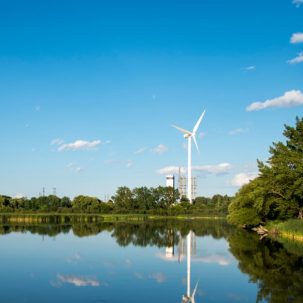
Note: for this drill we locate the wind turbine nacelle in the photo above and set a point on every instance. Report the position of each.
(186, 136)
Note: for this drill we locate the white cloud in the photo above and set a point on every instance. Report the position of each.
(78, 281)
(237, 131)
(201, 135)
(297, 59)
(140, 151)
(296, 38)
(297, 3)
(57, 141)
(129, 163)
(170, 170)
(73, 167)
(19, 196)
(80, 145)
(250, 68)
(160, 149)
(243, 178)
(218, 169)
(289, 99)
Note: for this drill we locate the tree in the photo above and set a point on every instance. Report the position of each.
(86, 204)
(123, 199)
(277, 193)
(143, 198)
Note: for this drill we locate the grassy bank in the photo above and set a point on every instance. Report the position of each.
(290, 229)
(87, 218)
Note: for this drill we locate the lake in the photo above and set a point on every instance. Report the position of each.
(145, 262)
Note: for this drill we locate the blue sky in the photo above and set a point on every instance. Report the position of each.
(89, 90)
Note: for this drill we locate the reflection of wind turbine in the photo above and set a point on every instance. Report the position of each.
(189, 298)
(190, 135)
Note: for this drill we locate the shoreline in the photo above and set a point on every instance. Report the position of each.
(44, 217)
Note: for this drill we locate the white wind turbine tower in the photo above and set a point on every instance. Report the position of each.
(190, 135)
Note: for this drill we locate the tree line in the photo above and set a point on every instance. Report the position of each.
(140, 200)
(277, 192)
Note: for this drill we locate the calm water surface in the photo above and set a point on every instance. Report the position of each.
(145, 262)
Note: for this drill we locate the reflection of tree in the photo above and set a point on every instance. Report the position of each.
(279, 274)
(159, 233)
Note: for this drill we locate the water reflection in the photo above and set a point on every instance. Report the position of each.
(99, 258)
(189, 297)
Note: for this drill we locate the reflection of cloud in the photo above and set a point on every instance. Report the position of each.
(218, 259)
(236, 297)
(158, 277)
(139, 275)
(128, 262)
(164, 257)
(78, 281)
(75, 258)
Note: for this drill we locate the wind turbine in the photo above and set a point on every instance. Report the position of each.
(190, 135)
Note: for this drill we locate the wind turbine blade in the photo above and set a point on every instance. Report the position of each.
(194, 292)
(194, 137)
(182, 130)
(198, 123)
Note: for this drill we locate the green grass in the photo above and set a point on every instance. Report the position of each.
(294, 226)
(61, 217)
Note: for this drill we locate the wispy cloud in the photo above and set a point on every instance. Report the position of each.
(78, 281)
(297, 3)
(57, 141)
(250, 68)
(129, 163)
(160, 149)
(80, 145)
(238, 131)
(289, 99)
(74, 167)
(296, 38)
(243, 178)
(218, 169)
(140, 151)
(296, 60)
(168, 170)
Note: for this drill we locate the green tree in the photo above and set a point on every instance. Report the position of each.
(277, 193)
(85, 204)
(123, 199)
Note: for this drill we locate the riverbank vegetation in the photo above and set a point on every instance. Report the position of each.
(162, 201)
(277, 192)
